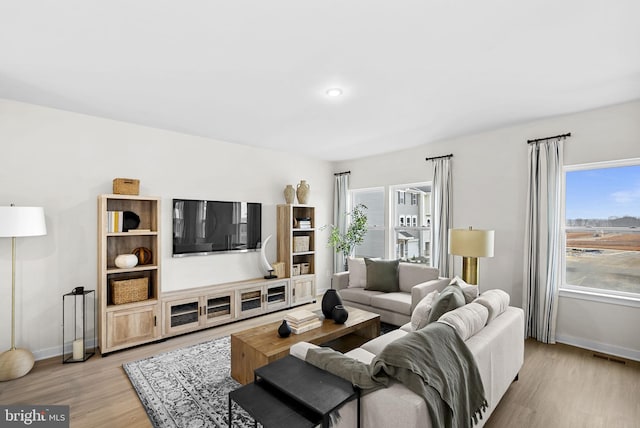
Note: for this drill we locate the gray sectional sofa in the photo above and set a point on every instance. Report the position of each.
(415, 281)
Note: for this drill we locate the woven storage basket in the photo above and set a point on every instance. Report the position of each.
(126, 186)
(300, 244)
(304, 268)
(295, 269)
(129, 290)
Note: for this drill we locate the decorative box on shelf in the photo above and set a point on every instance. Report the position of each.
(300, 244)
(304, 268)
(278, 269)
(126, 186)
(129, 290)
(295, 269)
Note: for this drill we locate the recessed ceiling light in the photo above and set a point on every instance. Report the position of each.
(334, 92)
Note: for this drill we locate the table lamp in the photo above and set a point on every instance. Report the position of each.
(17, 222)
(471, 244)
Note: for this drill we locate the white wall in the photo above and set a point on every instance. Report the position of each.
(489, 187)
(62, 161)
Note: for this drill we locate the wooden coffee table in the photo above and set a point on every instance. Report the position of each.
(259, 346)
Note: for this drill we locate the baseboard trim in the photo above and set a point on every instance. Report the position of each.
(618, 351)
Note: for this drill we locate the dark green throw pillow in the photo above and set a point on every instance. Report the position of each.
(451, 298)
(382, 275)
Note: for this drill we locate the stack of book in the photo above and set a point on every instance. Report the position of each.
(304, 223)
(114, 221)
(302, 320)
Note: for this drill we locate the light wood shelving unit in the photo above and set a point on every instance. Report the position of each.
(303, 286)
(129, 324)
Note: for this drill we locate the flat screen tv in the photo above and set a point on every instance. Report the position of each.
(210, 227)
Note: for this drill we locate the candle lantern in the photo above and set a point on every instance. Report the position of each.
(78, 325)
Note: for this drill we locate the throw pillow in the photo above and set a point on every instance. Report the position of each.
(496, 301)
(357, 273)
(420, 314)
(382, 275)
(470, 291)
(450, 299)
(467, 320)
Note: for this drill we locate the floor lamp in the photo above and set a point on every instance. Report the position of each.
(17, 222)
(471, 244)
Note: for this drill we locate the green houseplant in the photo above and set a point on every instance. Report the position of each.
(354, 235)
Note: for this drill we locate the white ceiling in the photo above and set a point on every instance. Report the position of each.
(255, 72)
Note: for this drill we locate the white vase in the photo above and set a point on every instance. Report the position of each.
(126, 261)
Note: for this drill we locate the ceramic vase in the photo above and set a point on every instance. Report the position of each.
(284, 330)
(126, 261)
(340, 314)
(303, 192)
(289, 194)
(330, 300)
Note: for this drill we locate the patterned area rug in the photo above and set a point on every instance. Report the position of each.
(188, 387)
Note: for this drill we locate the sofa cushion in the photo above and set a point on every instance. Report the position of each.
(382, 275)
(496, 301)
(470, 291)
(410, 274)
(420, 314)
(467, 320)
(376, 345)
(357, 273)
(450, 299)
(394, 302)
(358, 295)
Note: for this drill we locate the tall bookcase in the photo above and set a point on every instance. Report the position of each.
(128, 324)
(296, 248)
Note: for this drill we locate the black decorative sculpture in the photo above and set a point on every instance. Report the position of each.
(340, 314)
(330, 300)
(284, 330)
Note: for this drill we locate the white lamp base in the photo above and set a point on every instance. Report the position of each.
(15, 363)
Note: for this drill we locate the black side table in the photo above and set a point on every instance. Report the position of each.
(293, 393)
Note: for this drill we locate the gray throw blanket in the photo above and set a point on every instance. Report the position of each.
(433, 362)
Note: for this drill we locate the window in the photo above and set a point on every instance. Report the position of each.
(401, 196)
(411, 238)
(373, 199)
(602, 227)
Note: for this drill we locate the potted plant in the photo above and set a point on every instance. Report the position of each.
(354, 235)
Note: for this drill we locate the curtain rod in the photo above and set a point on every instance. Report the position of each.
(342, 173)
(439, 157)
(549, 138)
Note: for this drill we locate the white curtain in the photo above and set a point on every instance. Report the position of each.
(543, 239)
(442, 215)
(340, 210)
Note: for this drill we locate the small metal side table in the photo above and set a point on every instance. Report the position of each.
(79, 338)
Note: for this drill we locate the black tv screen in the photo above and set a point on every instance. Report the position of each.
(209, 227)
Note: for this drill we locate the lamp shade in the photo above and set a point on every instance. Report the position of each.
(471, 242)
(22, 221)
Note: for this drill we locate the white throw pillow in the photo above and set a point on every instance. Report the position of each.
(467, 320)
(420, 314)
(470, 291)
(496, 301)
(357, 273)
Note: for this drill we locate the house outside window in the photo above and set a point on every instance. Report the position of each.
(412, 238)
(401, 197)
(374, 240)
(602, 228)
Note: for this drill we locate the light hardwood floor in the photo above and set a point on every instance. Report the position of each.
(559, 386)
